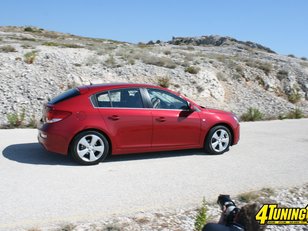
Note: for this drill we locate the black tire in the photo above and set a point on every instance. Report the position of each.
(218, 140)
(89, 148)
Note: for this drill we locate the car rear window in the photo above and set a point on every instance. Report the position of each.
(64, 96)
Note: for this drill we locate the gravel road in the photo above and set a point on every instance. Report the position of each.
(39, 188)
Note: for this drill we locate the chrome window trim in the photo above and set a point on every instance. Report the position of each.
(143, 108)
(108, 91)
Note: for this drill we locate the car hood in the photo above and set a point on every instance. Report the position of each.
(216, 111)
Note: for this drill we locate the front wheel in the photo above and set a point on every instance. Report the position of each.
(89, 148)
(218, 140)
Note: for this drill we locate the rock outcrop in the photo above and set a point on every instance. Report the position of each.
(220, 72)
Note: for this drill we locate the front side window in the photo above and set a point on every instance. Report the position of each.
(123, 98)
(166, 100)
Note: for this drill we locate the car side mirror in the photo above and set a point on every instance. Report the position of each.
(191, 107)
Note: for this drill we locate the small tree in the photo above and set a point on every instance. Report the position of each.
(30, 57)
(16, 120)
(201, 216)
(192, 69)
(295, 114)
(253, 114)
(163, 82)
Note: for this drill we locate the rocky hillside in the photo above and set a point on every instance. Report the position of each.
(215, 71)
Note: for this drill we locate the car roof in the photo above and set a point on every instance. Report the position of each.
(108, 86)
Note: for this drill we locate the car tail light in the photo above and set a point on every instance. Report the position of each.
(53, 115)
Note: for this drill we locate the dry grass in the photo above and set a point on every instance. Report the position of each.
(192, 70)
(294, 97)
(248, 197)
(163, 82)
(30, 57)
(7, 49)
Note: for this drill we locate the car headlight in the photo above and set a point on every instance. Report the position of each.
(236, 118)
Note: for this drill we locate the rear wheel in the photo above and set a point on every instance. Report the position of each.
(218, 140)
(89, 148)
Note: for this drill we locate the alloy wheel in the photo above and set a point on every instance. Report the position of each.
(90, 148)
(220, 140)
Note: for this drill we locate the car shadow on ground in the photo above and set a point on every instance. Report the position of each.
(154, 155)
(34, 153)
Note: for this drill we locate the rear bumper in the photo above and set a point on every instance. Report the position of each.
(52, 141)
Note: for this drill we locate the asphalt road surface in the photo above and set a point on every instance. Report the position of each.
(38, 188)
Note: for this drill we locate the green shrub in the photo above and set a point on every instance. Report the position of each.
(201, 217)
(163, 82)
(200, 89)
(167, 52)
(27, 39)
(240, 70)
(143, 45)
(29, 29)
(33, 122)
(51, 44)
(220, 76)
(70, 45)
(282, 117)
(266, 67)
(221, 58)
(27, 46)
(291, 56)
(294, 97)
(15, 119)
(33, 29)
(295, 114)
(248, 197)
(236, 76)
(304, 58)
(282, 74)
(131, 61)
(67, 45)
(252, 114)
(30, 57)
(192, 69)
(304, 64)
(7, 49)
(260, 81)
(159, 61)
(110, 61)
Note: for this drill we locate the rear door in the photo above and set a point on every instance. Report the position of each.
(126, 118)
(173, 124)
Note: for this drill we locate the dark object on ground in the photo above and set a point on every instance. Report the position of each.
(235, 219)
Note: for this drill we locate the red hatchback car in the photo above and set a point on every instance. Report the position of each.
(90, 122)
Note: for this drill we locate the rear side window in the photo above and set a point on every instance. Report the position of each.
(104, 100)
(64, 96)
(126, 98)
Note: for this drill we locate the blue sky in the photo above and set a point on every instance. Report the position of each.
(281, 25)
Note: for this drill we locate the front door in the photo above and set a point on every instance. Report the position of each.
(173, 124)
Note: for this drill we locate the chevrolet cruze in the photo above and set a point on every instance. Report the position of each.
(91, 122)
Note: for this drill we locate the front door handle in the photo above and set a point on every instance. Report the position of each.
(161, 119)
(114, 117)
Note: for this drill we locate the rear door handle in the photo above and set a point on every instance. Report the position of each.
(161, 119)
(114, 117)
